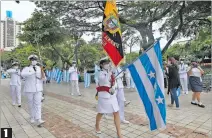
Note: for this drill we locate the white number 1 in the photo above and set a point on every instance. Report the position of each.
(5, 133)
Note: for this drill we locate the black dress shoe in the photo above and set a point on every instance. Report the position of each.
(193, 103)
(19, 106)
(201, 105)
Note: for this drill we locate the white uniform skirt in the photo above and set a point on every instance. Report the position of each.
(108, 105)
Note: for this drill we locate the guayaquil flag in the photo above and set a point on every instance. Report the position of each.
(111, 33)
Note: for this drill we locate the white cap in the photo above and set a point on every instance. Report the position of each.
(104, 58)
(15, 63)
(33, 57)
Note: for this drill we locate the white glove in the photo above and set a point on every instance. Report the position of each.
(112, 91)
(44, 79)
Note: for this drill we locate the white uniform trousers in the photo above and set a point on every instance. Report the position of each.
(184, 84)
(128, 82)
(74, 87)
(121, 99)
(34, 103)
(16, 94)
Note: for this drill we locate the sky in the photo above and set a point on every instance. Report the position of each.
(24, 9)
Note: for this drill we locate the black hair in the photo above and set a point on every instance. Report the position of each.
(102, 62)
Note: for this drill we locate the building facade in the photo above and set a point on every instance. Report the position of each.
(10, 29)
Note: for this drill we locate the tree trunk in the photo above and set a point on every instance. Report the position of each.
(178, 29)
(146, 33)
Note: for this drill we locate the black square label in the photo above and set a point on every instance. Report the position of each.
(6, 132)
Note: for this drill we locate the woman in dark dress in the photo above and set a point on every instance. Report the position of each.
(173, 82)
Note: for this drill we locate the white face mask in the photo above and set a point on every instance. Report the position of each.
(106, 66)
(181, 62)
(74, 65)
(15, 67)
(34, 62)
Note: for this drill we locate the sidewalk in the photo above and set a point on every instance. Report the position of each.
(69, 116)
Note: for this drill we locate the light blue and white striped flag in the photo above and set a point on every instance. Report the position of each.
(67, 76)
(64, 75)
(147, 73)
(59, 76)
(53, 72)
(56, 74)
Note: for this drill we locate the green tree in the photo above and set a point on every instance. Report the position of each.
(45, 33)
(130, 57)
(88, 55)
(21, 54)
(182, 18)
(195, 49)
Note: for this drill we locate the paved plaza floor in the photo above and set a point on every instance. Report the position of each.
(69, 116)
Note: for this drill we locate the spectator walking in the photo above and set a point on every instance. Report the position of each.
(173, 82)
(195, 73)
(165, 71)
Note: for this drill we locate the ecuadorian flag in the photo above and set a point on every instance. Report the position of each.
(111, 33)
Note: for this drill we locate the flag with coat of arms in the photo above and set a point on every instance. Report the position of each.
(111, 33)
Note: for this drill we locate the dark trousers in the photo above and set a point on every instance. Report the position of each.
(165, 82)
(174, 97)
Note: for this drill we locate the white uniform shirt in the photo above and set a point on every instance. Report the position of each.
(15, 76)
(183, 69)
(73, 73)
(119, 78)
(104, 80)
(33, 81)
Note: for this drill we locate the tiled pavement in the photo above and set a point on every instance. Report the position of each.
(74, 117)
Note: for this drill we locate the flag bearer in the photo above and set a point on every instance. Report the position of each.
(120, 94)
(33, 89)
(107, 101)
(74, 78)
(15, 83)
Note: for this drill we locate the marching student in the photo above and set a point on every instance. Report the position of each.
(15, 83)
(33, 88)
(183, 69)
(74, 78)
(120, 94)
(107, 101)
(43, 81)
